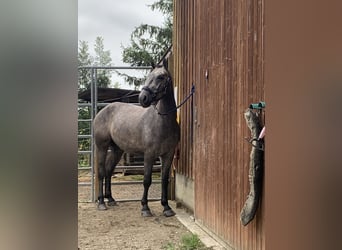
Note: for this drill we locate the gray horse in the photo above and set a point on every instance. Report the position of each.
(151, 129)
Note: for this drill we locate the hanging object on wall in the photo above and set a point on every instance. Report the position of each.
(256, 165)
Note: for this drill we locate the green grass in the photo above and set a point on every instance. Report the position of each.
(138, 177)
(188, 242)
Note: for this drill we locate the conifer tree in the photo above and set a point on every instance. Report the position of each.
(148, 42)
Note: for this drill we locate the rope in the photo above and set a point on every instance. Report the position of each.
(121, 97)
(180, 105)
(258, 141)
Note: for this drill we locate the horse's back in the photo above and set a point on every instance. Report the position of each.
(115, 110)
(117, 113)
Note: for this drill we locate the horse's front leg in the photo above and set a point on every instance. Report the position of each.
(148, 163)
(166, 165)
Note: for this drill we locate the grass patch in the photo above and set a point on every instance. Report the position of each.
(188, 242)
(137, 177)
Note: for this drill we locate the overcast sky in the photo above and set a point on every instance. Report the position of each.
(114, 20)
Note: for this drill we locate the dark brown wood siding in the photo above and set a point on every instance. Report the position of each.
(218, 47)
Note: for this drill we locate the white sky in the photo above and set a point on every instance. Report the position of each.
(114, 20)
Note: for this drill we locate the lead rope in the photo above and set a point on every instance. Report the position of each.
(181, 104)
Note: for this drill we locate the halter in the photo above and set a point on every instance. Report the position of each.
(180, 105)
(155, 93)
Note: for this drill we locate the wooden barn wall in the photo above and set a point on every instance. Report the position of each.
(218, 46)
(182, 57)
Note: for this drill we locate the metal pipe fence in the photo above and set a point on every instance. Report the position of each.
(94, 105)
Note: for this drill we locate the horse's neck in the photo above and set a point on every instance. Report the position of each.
(167, 104)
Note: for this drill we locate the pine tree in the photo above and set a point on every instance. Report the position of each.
(84, 59)
(102, 58)
(148, 42)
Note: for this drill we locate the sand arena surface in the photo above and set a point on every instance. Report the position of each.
(122, 226)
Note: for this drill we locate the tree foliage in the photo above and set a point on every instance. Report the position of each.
(84, 59)
(101, 58)
(148, 43)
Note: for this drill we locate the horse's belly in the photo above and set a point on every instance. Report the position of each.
(128, 140)
(132, 142)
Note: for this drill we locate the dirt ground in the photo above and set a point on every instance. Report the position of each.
(122, 226)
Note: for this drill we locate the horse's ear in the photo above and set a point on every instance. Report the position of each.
(165, 63)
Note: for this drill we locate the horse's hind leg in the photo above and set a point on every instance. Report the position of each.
(166, 164)
(113, 157)
(101, 159)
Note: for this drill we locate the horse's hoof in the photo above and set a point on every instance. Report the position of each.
(169, 213)
(146, 213)
(101, 207)
(112, 203)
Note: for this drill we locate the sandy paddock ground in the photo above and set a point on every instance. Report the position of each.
(122, 226)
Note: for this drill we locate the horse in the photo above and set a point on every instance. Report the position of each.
(151, 129)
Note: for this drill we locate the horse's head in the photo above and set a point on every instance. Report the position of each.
(156, 85)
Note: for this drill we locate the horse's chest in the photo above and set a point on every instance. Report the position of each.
(164, 137)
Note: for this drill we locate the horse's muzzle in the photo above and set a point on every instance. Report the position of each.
(145, 98)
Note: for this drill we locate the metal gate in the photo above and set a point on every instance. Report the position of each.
(87, 155)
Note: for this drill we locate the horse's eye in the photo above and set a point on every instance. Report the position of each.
(161, 78)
